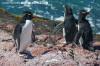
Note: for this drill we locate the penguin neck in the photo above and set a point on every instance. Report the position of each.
(66, 15)
(68, 12)
(28, 21)
(81, 18)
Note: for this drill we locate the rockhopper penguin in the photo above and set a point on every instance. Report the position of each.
(23, 34)
(84, 31)
(69, 25)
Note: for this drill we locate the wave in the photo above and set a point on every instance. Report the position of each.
(34, 2)
(52, 9)
(87, 9)
(61, 18)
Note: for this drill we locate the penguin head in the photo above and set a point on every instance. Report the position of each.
(28, 15)
(67, 9)
(83, 13)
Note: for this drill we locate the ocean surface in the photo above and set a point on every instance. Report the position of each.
(52, 9)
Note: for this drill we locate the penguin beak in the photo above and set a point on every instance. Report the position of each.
(88, 11)
(63, 6)
(34, 16)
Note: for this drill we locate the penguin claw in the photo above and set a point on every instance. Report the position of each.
(73, 44)
(21, 55)
(26, 54)
(91, 49)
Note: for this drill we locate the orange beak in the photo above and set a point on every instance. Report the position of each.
(34, 16)
(88, 11)
(63, 6)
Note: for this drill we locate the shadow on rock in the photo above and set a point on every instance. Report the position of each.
(46, 52)
(97, 47)
(28, 54)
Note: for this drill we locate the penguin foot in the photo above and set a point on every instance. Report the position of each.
(90, 48)
(27, 53)
(21, 55)
(74, 44)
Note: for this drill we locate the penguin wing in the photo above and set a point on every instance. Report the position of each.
(33, 37)
(16, 36)
(58, 27)
(76, 21)
(77, 36)
(17, 31)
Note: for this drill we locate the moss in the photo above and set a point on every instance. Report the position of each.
(17, 16)
(38, 19)
(5, 14)
(10, 16)
(97, 36)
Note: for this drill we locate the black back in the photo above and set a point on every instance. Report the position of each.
(68, 17)
(83, 22)
(84, 27)
(69, 24)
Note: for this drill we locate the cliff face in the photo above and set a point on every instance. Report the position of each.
(43, 52)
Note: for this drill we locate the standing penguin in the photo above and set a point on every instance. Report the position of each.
(23, 33)
(69, 25)
(84, 31)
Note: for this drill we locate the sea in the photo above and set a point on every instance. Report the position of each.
(52, 9)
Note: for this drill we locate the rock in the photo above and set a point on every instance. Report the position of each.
(37, 51)
(11, 59)
(49, 55)
(10, 26)
(7, 46)
(42, 37)
(62, 41)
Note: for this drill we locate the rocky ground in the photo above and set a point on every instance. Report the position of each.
(43, 51)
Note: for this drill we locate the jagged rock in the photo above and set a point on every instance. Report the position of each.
(42, 37)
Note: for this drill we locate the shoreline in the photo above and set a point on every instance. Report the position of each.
(42, 50)
(13, 19)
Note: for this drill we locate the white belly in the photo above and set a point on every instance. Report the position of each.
(64, 35)
(26, 34)
(78, 27)
(81, 39)
(64, 32)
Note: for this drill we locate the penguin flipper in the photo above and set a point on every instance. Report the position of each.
(33, 37)
(17, 41)
(76, 21)
(58, 27)
(17, 31)
(77, 37)
(16, 35)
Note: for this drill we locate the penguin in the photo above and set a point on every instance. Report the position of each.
(68, 25)
(84, 31)
(23, 34)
